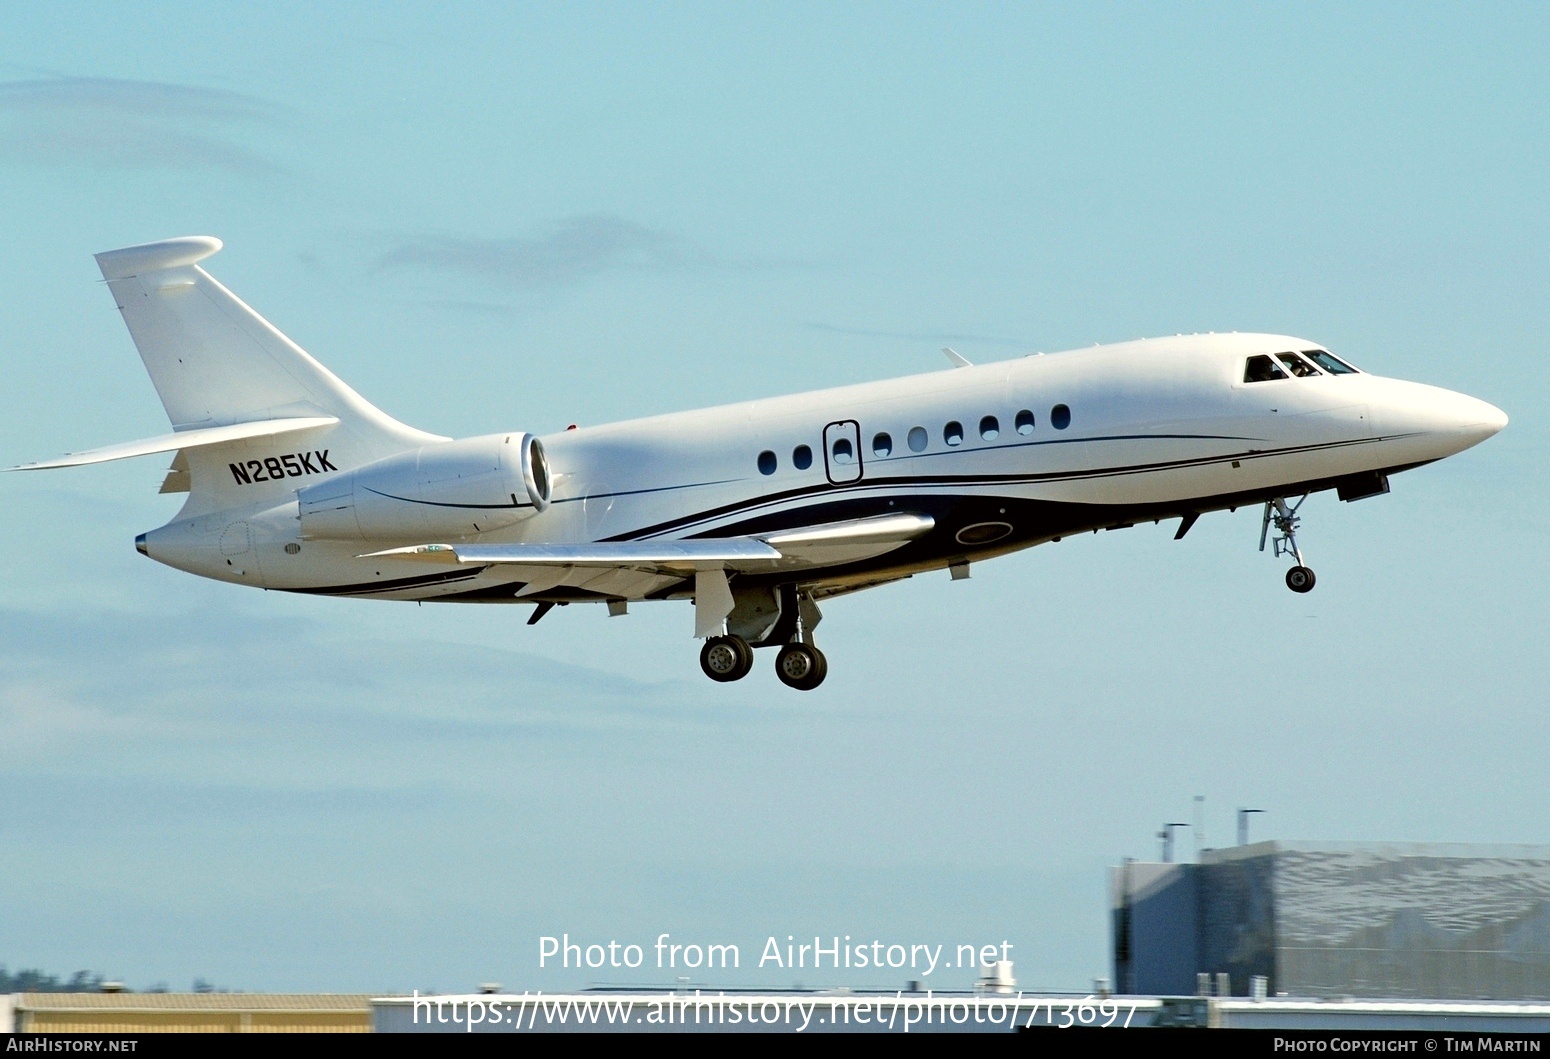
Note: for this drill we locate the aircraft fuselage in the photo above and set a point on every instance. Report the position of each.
(1000, 456)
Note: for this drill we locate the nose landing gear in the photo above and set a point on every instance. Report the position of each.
(1299, 578)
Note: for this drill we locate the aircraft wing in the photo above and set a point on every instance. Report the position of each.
(632, 568)
(731, 551)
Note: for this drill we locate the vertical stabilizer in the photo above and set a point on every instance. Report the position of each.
(216, 362)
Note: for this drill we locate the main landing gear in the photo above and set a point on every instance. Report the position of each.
(729, 658)
(726, 658)
(1284, 517)
(799, 665)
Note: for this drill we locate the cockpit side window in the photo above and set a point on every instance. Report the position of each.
(1329, 362)
(1262, 369)
(1296, 365)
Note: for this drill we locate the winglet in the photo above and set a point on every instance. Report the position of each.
(153, 257)
(959, 361)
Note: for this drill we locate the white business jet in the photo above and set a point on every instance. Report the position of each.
(757, 511)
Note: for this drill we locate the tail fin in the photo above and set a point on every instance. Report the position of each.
(216, 362)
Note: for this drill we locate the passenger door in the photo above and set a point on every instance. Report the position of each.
(842, 451)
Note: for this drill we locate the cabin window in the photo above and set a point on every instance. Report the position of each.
(842, 452)
(917, 439)
(767, 462)
(1262, 369)
(1329, 362)
(990, 428)
(1060, 417)
(952, 433)
(802, 457)
(1296, 365)
(1025, 422)
(882, 445)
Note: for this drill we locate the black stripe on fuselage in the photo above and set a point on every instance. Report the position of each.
(1037, 520)
(946, 481)
(1032, 522)
(399, 584)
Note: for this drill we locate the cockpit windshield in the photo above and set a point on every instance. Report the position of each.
(1266, 368)
(1329, 362)
(1296, 365)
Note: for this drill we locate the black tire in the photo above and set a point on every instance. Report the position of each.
(1300, 579)
(726, 658)
(801, 666)
(745, 649)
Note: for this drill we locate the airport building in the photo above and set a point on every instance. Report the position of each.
(1337, 920)
(116, 1012)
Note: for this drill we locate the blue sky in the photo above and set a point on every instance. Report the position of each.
(517, 217)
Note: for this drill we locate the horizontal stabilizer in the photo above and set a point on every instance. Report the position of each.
(185, 439)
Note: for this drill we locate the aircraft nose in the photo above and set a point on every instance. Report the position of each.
(1495, 418)
(1472, 419)
(1449, 421)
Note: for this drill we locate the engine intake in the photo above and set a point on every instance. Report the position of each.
(449, 489)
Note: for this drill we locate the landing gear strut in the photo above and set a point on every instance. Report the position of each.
(726, 658)
(1299, 578)
(800, 664)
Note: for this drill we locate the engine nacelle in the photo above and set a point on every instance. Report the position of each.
(446, 490)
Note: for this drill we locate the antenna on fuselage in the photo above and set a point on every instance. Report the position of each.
(958, 359)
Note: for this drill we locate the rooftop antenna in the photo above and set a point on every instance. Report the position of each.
(1243, 825)
(1166, 834)
(1200, 824)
